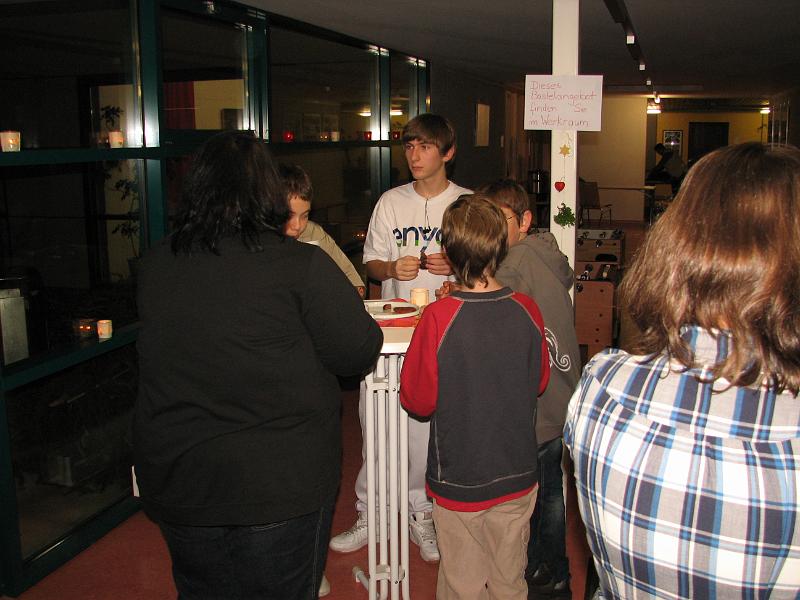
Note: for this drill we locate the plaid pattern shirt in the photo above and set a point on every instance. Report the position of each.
(687, 489)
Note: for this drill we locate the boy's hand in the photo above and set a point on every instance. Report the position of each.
(438, 265)
(447, 288)
(406, 268)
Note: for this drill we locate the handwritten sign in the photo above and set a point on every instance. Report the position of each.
(563, 102)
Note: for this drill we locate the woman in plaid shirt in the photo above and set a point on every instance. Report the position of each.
(687, 454)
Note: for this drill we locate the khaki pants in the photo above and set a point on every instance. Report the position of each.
(484, 553)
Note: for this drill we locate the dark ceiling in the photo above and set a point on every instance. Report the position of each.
(707, 48)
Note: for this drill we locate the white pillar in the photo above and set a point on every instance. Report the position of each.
(564, 143)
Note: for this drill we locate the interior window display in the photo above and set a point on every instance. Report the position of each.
(322, 91)
(204, 67)
(71, 446)
(69, 246)
(72, 76)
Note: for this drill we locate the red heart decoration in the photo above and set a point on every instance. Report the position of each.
(559, 185)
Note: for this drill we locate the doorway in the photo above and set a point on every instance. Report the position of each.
(705, 137)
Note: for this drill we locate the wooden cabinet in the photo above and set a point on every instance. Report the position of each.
(594, 314)
(598, 263)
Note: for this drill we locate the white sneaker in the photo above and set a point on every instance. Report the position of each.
(351, 539)
(324, 586)
(423, 534)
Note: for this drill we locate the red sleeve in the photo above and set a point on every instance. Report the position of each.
(419, 379)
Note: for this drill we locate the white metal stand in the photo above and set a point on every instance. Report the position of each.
(387, 535)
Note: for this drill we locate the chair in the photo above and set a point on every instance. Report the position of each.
(589, 200)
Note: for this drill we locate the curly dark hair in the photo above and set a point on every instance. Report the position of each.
(232, 189)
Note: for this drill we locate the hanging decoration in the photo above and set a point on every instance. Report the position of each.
(564, 151)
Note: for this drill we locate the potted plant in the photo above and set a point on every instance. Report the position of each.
(126, 187)
(129, 196)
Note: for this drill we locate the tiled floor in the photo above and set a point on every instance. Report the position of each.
(132, 563)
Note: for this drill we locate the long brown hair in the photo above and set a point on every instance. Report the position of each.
(726, 255)
(474, 238)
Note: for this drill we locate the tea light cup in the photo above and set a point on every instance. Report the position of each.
(10, 141)
(420, 297)
(104, 329)
(115, 139)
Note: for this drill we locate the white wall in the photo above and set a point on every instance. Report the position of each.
(615, 156)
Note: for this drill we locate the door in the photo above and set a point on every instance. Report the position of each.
(705, 137)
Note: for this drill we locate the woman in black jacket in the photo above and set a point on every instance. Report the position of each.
(237, 427)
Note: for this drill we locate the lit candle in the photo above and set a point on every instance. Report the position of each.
(115, 139)
(104, 329)
(10, 141)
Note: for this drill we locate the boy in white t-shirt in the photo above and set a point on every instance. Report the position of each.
(403, 251)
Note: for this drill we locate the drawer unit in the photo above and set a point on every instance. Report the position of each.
(594, 314)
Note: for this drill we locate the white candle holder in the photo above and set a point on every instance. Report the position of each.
(115, 139)
(420, 297)
(104, 329)
(10, 141)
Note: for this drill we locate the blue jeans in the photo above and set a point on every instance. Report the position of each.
(547, 544)
(280, 561)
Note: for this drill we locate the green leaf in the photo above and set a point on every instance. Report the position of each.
(565, 216)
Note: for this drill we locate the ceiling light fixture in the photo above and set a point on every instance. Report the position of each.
(765, 110)
(653, 108)
(365, 113)
(657, 98)
(642, 65)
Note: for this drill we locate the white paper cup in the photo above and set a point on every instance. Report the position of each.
(104, 329)
(10, 141)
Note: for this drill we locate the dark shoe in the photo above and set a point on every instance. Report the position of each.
(540, 577)
(561, 589)
(549, 589)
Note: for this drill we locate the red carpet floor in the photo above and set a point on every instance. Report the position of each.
(132, 563)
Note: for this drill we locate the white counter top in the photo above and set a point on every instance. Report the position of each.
(396, 339)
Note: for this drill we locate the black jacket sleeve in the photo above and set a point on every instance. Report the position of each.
(346, 338)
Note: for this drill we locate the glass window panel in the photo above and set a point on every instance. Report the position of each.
(320, 90)
(399, 173)
(71, 445)
(403, 92)
(70, 59)
(204, 69)
(177, 168)
(69, 242)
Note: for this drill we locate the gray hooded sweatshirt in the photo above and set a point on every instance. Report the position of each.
(535, 266)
